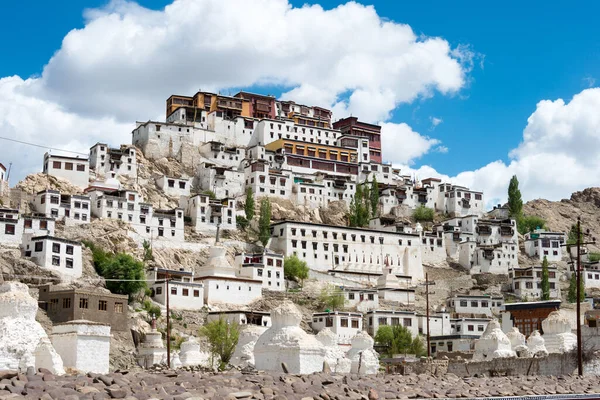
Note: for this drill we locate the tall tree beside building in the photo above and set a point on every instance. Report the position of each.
(374, 196)
(360, 207)
(264, 221)
(222, 338)
(515, 202)
(249, 206)
(572, 295)
(545, 280)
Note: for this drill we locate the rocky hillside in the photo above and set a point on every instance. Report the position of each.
(560, 215)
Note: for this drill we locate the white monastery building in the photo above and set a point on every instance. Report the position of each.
(266, 267)
(527, 282)
(60, 255)
(73, 209)
(76, 170)
(344, 324)
(183, 292)
(540, 244)
(110, 163)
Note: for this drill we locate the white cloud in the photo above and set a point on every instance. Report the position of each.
(435, 121)
(559, 154)
(401, 145)
(126, 60)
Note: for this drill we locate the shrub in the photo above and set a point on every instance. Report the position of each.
(242, 223)
(151, 308)
(295, 268)
(332, 298)
(222, 338)
(423, 214)
(529, 223)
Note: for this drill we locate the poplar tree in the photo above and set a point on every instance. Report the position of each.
(515, 202)
(264, 221)
(249, 206)
(374, 196)
(545, 280)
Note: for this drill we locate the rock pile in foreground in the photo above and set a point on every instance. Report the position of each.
(183, 385)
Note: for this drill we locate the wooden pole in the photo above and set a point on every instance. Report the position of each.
(579, 350)
(427, 313)
(168, 326)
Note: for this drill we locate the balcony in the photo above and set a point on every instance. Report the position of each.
(214, 146)
(488, 254)
(484, 230)
(339, 184)
(263, 107)
(466, 203)
(508, 231)
(231, 104)
(456, 236)
(422, 199)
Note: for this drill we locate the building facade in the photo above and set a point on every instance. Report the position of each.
(60, 255)
(76, 170)
(540, 244)
(73, 209)
(344, 324)
(527, 281)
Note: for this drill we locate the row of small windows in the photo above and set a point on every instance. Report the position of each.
(334, 235)
(68, 166)
(56, 200)
(84, 304)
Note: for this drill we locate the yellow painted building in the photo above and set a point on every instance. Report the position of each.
(230, 106)
(314, 150)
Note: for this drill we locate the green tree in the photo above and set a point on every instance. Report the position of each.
(222, 338)
(264, 221)
(249, 206)
(545, 280)
(241, 222)
(360, 207)
(374, 196)
(529, 223)
(423, 214)
(572, 295)
(397, 339)
(124, 275)
(515, 202)
(211, 195)
(295, 268)
(147, 251)
(332, 298)
(572, 238)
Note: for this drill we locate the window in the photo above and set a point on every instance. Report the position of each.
(344, 322)
(471, 328)
(159, 290)
(69, 166)
(83, 302)
(56, 247)
(463, 303)
(474, 304)
(484, 304)
(382, 321)
(174, 291)
(69, 249)
(371, 296)
(328, 321)
(479, 328)
(66, 303)
(196, 293)
(81, 167)
(395, 321)
(53, 304)
(118, 307)
(407, 322)
(350, 296)
(39, 246)
(102, 305)
(9, 229)
(185, 292)
(28, 223)
(355, 324)
(69, 263)
(55, 260)
(56, 164)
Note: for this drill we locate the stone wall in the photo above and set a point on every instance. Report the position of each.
(425, 366)
(554, 364)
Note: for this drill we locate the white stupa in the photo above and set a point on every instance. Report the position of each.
(23, 341)
(364, 359)
(191, 355)
(335, 356)
(285, 342)
(557, 333)
(243, 356)
(493, 343)
(536, 345)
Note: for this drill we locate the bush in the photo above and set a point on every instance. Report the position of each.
(397, 339)
(294, 268)
(123, 273)
(222, 338)
(332, 298)
(242, 223)
(529, 223)
(151, 309)
(593, 257)
(423, 214)
(209, 193)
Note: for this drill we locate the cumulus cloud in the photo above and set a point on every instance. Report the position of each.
(559, 154)
(402, 145)
(38, 121)
(126, 60)
(435, 121)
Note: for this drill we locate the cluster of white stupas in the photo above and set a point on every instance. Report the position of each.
(557, 338)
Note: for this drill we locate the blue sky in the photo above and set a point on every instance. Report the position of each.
(526, 52)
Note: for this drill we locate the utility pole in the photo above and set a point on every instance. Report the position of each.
(577, 272)
(168, 325)
(427, 313)
(579, 350)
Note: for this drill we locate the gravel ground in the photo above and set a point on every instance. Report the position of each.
(181, 385)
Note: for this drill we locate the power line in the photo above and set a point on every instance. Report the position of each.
(41, 146)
